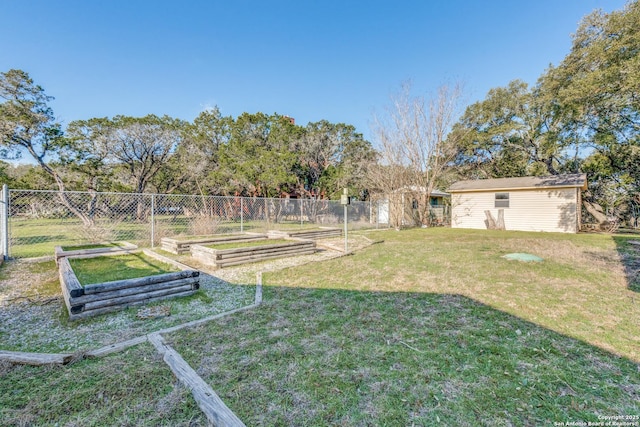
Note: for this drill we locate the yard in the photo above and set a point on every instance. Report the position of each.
(427, 326)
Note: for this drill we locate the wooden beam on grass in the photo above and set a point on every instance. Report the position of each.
(209, 402)
(35, 359)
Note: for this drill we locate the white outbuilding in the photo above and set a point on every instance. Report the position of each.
(533, 203)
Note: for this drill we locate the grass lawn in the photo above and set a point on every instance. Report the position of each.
(125, 389)
(118, 267)
(90, 246)
(434, 327)
(427, 327)
(31, 237)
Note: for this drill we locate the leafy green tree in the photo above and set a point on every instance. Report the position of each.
(331, 157)
(596, 90)
(27, 124)
(134, 148)
(257, 160)
(198, 153)
(598, 82)
(514, 131)
(5, 178)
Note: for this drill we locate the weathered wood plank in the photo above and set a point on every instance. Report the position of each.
(178, 246)
(84, 299)
(263, 248)
(235, 256)
(209, 402)
(35, 359)
(165, 259)
(136, 297)
(121, 248)
(238, 261)
(140, 281)
(114, 348)
(312, 234)
(68, 279)
(110, 309)
(267, 252)
(258, 298)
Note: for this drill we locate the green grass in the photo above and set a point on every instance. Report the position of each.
(434, 327)
(255, 243)
(129, 388)
(90, 246)
(108, 268)
(427, 327)
(35, 237)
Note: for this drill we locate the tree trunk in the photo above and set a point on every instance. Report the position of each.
(595, 210)
(62, 195)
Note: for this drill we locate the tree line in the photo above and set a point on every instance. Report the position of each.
(251, 155)
(582, 115)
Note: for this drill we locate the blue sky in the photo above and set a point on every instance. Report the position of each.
(313, 60)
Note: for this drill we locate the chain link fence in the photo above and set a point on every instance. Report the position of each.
(36, 221)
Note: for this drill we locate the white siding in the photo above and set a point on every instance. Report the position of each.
(529, 210)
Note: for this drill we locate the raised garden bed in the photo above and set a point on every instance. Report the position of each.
(97, 298)
(309, 234)
(89, 251)
(181, 245)
(264, 250)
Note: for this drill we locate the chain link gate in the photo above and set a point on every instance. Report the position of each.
(39, 220)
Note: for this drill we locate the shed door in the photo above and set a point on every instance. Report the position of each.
(383, 211)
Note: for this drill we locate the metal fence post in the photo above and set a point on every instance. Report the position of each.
(4, 221)
(153, 221)
(241, 214)
(300, 201)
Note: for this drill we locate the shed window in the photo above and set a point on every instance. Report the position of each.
(502, 200)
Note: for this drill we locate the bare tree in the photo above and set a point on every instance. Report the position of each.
(415, 147)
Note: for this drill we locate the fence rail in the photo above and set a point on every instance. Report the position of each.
(35, 221)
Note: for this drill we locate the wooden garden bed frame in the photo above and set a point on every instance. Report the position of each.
(99, 298)
(181, 245)
(120, 248)
(219, 258)
(309, 234)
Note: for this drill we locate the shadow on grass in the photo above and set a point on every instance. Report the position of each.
(338, 357)
(630, 258)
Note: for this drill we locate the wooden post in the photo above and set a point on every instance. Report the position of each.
(258, 299)
(490, 222)
(4, 222)
(500, 223)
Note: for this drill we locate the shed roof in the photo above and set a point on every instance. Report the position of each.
(416, 189)
(576, 180)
